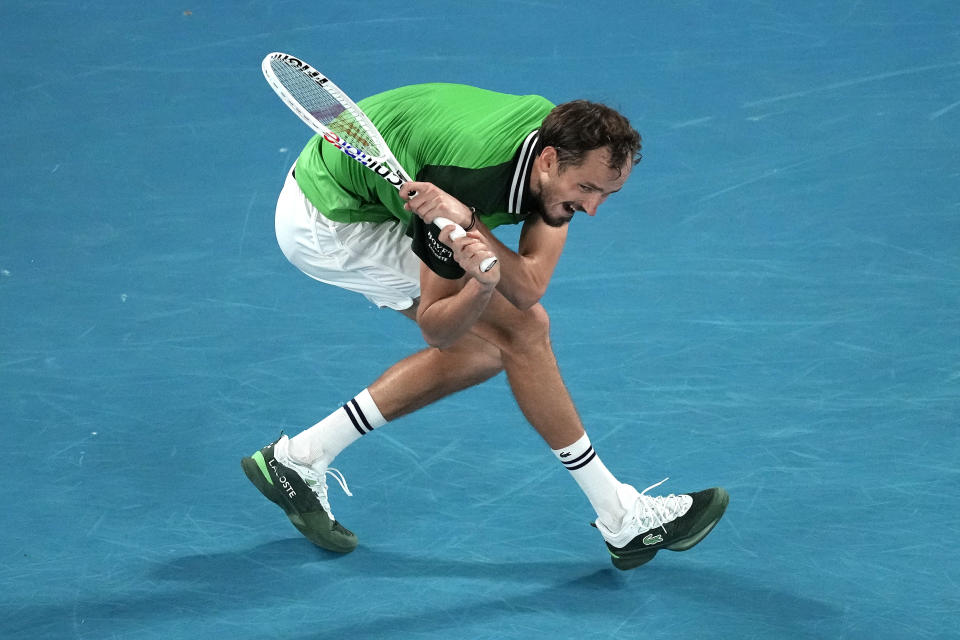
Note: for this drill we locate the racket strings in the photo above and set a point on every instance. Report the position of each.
(325, 107)
(350, 129)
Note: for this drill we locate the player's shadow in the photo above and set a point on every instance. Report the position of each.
(569, 586)
(236, 579)
(579, 588)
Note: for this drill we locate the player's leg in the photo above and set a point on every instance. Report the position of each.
(414, 382)
(634, 526)
(432, 374)
(292, 472)
(373, 260)
(523, 338)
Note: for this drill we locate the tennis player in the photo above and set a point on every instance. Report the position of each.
(480, 159)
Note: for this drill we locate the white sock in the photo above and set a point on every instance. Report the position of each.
(324, 440)
(595, 480)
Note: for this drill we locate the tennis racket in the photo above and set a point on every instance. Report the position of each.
(323, 107)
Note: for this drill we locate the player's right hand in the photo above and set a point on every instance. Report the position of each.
(469, 251)
(430, 202)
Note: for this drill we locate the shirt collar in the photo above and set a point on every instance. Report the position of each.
(519, 187)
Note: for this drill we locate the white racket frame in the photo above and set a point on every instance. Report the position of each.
(384, 164)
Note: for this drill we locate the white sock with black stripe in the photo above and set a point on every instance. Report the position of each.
(324, 440)
(594, 478)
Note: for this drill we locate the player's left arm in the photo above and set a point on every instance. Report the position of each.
(526, 272)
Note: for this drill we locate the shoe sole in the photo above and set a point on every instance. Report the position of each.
(632, 561)
(708, 520)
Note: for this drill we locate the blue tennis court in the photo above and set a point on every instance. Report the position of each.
(772, 305)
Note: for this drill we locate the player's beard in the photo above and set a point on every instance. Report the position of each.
(561, 213)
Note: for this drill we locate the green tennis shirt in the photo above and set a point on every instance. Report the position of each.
(475, 144)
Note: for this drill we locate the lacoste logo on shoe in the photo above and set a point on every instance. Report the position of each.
(652, 539)
(283, 479)
(565, 454)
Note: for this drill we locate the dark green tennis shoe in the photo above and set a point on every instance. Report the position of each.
(301, 492)
(675, 523)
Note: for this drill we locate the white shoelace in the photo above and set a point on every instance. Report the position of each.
(316, 479)
(650, 512)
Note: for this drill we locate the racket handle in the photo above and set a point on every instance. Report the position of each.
(458, 232)
(443, 223)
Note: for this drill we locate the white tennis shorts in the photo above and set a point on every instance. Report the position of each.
(372, 259)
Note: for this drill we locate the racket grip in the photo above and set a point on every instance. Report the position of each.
(443, 223)
(458, 232)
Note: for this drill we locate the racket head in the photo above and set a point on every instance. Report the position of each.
(326, 109)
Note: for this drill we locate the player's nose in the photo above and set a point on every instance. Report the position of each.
(590, 205)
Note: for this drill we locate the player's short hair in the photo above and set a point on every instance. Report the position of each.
(574, 128)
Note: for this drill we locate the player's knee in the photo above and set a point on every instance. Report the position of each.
(517, 330)
(531, 331)
(539, 323)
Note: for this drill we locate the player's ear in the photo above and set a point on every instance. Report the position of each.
(548, 159)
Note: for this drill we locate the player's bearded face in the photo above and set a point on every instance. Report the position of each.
(561, 192)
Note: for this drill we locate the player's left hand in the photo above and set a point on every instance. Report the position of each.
(470, 251)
